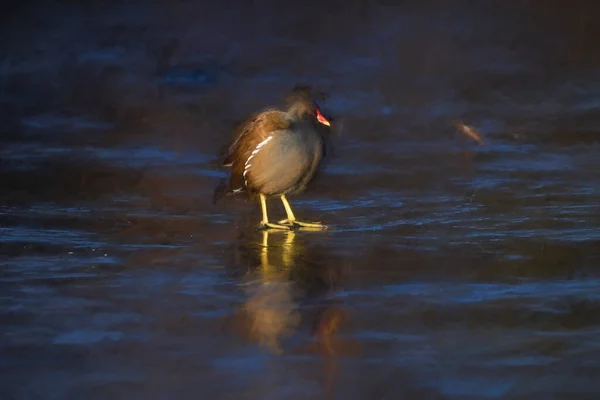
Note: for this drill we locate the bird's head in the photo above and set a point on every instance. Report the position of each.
(302, 104)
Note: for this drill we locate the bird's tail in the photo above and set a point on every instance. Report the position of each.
(220, 191)
(224, 189)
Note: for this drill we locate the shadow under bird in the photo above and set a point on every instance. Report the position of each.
(276, 153)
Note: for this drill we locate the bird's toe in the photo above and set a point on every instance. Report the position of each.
(271, 225)
(310, 225)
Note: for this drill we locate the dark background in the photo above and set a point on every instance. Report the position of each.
(451, 269)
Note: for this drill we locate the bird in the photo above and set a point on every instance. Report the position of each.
(275, 153)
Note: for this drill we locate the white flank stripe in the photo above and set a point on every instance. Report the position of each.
(247, 165)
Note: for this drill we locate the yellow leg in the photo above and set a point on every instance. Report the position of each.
(288, 209)
(265, 224)
(292, 221)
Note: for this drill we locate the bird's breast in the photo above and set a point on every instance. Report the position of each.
(283, 162)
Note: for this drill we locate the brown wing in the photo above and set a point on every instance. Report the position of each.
(253, 129)
(250, 134)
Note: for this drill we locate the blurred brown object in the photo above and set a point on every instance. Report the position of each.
(470, 132)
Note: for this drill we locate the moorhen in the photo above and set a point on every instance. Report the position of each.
(276, 153)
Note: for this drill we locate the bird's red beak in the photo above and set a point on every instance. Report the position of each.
(322, 119)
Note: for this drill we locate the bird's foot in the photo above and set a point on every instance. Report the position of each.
(270, 225)
(317, 226)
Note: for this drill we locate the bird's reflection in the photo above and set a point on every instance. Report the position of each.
(270, 307)
(289, 297)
